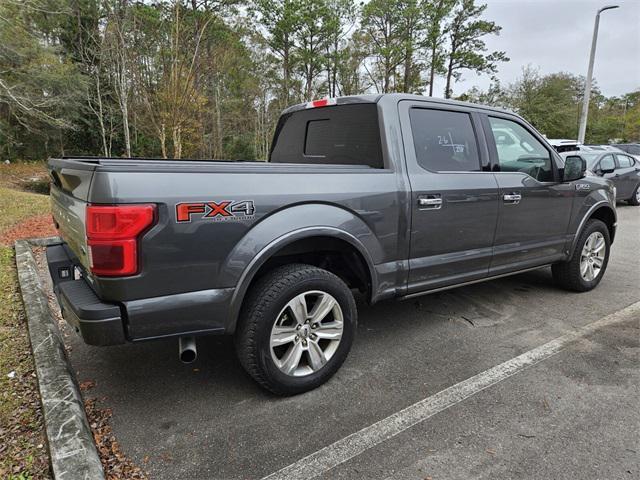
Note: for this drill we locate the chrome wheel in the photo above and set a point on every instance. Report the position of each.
(306, 333)
(638, 194)
(592, 257)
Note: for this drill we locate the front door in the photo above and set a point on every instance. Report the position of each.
(454, 195)
(535, 207)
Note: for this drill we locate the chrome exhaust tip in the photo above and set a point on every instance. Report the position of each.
(187, 350)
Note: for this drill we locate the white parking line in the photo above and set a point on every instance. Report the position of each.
(353, 445)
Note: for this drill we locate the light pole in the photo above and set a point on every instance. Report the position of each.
(587, 85)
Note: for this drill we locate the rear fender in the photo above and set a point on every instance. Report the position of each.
(299, 222)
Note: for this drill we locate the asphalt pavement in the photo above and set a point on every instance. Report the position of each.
(572, 415)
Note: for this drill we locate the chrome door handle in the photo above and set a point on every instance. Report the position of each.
(433, 202)
(513, 198)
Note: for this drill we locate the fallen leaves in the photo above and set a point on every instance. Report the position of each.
(115, 463)
(22, 442)
(37, 226)
(87, 385)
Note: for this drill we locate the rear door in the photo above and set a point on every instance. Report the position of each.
(625, 175)
(454, 195)
(535, 207)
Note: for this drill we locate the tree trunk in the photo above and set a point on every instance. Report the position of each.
(100, 113)
(163, 141)
(124, 107)
(447, 90)
(219, 146)
(432, 73)
(285, 68)
(177, 142)
(407, 71)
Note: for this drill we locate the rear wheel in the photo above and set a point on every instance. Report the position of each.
(296, 328)
(584, 270)
(635, 198)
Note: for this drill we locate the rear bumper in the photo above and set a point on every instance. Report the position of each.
(104, 323)
(98, 323)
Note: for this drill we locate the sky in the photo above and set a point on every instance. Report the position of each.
(555, 35)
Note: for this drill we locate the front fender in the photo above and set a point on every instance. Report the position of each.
(289, 225)
(601, 198)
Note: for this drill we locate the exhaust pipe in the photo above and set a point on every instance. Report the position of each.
(187, 349)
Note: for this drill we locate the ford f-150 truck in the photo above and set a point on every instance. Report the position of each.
(393, 196)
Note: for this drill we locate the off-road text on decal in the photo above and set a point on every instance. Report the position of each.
(217, 210)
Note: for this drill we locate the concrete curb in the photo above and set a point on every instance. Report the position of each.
(73, 452)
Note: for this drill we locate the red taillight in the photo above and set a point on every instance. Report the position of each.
(112, 237)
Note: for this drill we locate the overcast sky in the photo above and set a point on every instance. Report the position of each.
(555, 35)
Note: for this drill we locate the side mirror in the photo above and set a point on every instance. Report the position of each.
(574, 168)
(606, 170)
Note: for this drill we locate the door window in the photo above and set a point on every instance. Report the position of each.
(607, 163)
(444, 141)
(519, 151)
(624, 161)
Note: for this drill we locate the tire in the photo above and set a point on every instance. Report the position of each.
(635, 197)
(272, 313)
(569, 274)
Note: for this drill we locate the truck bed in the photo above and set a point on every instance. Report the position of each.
(201, 259)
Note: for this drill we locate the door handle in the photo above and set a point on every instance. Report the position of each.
(432, 202)
(512, 198)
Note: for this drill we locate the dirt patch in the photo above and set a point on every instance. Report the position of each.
(37, 226)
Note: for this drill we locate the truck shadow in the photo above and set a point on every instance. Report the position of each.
(216, 372)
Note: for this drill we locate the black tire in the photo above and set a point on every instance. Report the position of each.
(567, 274)
(634, 197)
(261, 309)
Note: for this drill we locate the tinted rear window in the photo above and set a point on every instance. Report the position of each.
(339, 135)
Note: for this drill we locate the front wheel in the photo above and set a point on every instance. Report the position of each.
(296, 328)
(584, 270)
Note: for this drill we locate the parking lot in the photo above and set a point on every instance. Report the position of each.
(572, 415)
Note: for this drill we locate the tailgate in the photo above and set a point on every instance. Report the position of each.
(69, 193)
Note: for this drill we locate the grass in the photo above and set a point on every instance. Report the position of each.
(18, 206)
(23, 452)
(20, 175)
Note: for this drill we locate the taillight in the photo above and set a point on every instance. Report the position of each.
(112, 237)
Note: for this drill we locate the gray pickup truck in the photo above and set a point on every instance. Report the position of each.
(393, 196)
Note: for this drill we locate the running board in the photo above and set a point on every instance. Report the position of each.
(479, 280)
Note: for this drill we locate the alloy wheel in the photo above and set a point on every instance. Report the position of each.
(592, 256)
(306, 333)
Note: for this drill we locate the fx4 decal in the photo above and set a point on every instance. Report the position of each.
(225, 210)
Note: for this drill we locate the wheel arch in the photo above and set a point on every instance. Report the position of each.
(601, 211)
(344, 237)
